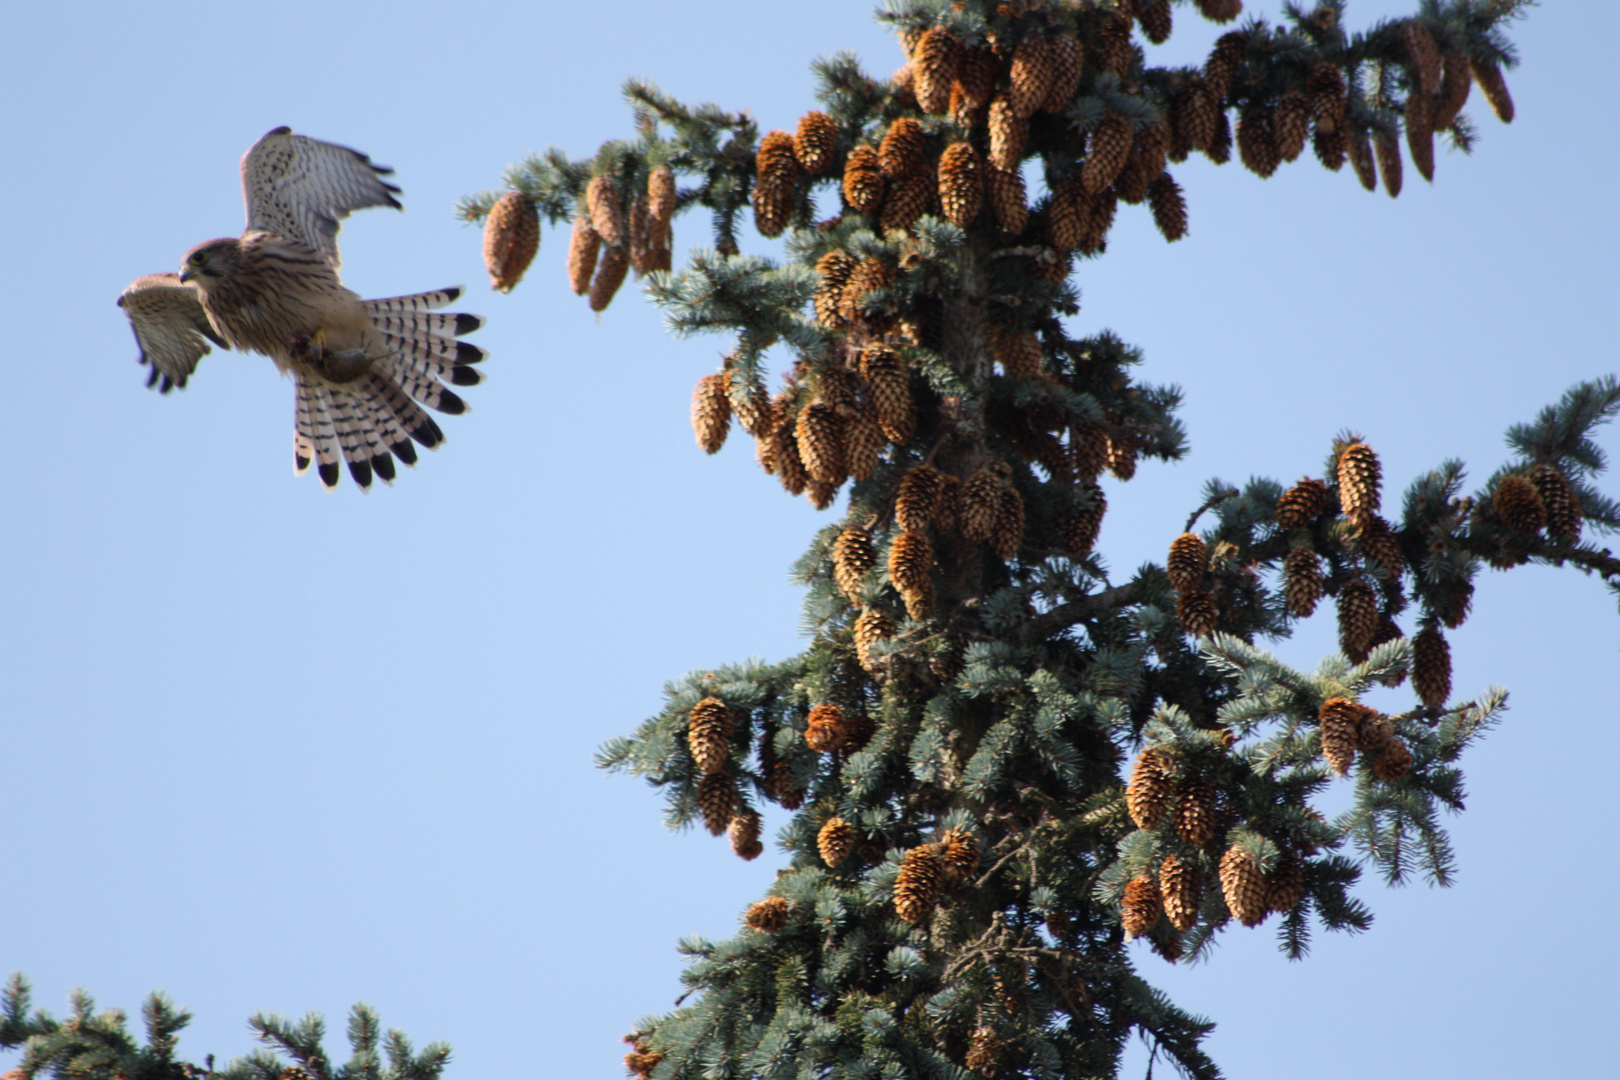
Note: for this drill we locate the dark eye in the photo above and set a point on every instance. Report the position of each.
(196, 256)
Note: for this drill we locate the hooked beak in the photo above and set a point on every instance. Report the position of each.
(186, 274)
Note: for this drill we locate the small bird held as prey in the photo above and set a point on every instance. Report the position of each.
(363, 369)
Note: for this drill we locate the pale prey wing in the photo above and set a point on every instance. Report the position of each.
(302, 189)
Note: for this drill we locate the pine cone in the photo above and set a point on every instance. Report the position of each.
(1008, 535)
(1285, 885)
(1302, 581)
(815, 141)
(1019, 351)
(1154, 15)
(1141, 907)
(1186, 562)
(869, 276)
(960, 854)
(863, 181)
(716, 798)
(708, 735)
(911, 558)
(975, 82)
(1220, 10)
(1431, 667)
(1197, 113)
(824, 731)
(1388, 153)
(1361, 158)
(853, 556)
(1244, 886)
(1559, 500)
(870, 628)
(1151, 149)
(1030, 78)
(1325, 86)
(785, 456)
(711, 411)
(1079, 528)
(1197, 612)
(821, 443)
(1110, 146)
(1147, 796)
(914, 503)
(1453, 603)
(835, 841)
(775, 171)
(1219, 149)
(1169, 207)
(1330, 147)
(1519, 505)
(607, 215)
(890, 389)
(1358, 619)
(1301, 504)
(643, 258)
(583, 244)
(768, 915)
(917, 886)
(1226, 59)
(1069, 216)
(1181, 885)
(1378, 543)
(1195, 813)
(743, 832)
(1340, 721)
(1420, 135)
(1122, 455)
(821, 493)
(1494, 87)
(1257, 145)
(1454, 86)
(1008, 133)
(1425, 57)
(947, 501)
(935, 64)
(1008, 199)
(511, 237)
(984, 1051)
(910, 197)
(1291, 124)
(961, 184)
(901, 150)
(610, 274)
(1067, 59)
(1393, 761)
(834, 268)
(863, 442)
(1359, 477)
(1115, 51)
(1131, 184)
(661, 199)
(981, 503)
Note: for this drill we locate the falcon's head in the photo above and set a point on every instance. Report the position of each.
(211, 262)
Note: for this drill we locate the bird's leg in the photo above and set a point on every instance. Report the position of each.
(339, 367)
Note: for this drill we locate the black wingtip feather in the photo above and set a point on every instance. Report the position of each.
(450, 404)
(466, 324)
(427, 433)
(404, 451)
(361, 471)
(469, 354)
(384, 467)
(329, 473)
(300, 463)
(452, 294)
(465, 376)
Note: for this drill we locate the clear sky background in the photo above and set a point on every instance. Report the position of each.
(270, 748)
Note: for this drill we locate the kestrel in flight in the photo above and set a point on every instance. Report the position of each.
(362, 368)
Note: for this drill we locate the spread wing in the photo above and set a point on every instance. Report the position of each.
(170, 327)
(302, 188)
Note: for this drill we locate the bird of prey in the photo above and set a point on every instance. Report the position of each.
(363, 369)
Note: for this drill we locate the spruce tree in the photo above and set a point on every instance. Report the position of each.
(1002, 762)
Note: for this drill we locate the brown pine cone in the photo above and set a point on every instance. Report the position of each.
(1226, 60)
(821, 443)
(1069, 216)
(890, 389)
(1425, 57)
(1009, 200)
(1388, 153)
(1030, 79)
(1519, 505)
(1340, 721)
(1110, 147)
(1079, 528)
(1067, 59)
(1220, 10)
(1154, 15)
(1169, 207)
(1431, 667)
(1291, 124)
(1359, 477)
(1197, 113)
(607, 214)
(853, 556)
(870, 275)
(1244, 886)
(911, 560)
(1147, 796)
(824, 730)
(1285, 885)
(1361, 158)
(1562, 505)
(935, 63)
(815, 141)
(914, 502)
(708, 735)
(1186, 562)
(1393, 761)
(1219, 149)
(775, 171)
(1420, 135)
(661, 199)
(784, 456)
(835, 841)
(1325, 86)
(711, 411)
(917, 886)
(1301, 504)
(975, 82)
(961, 184)
(1008, 133)
(901, 150)
(1494, 87)
(870, 628)
(716, 799)
(583, 245)
(1454, 87)
(981, 503)
(909, 198)
(1009, 528)
(1195, 813)
(1330, 147)
(1141, 906)
(834, 268)
(1358, 619)
(1378, 543)
(743, 832)
(1257, 144)
(960, 854)
(768, 915)
(511, 238)
(984, 1051)
(1181, 885)
(863, 181)
(1302, 581)
(863, 441)
(610, 274)
(1197, 612)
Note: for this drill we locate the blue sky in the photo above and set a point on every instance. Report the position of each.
(270, 748)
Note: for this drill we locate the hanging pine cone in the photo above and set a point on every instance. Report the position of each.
(1285, 885)
(1388, 153)
(1115, 51)
(610, 274)
(1420, 135)
(1226, 59)
(716, 798)
(911, 558)
(909, 198)
(708, 735)
(1393, 761)
(870, 628)
(1257, 144)
(1110, 146)
(775, 170)
(1325, 86)
(1069, 215)
(1220, 10)
(1154, 15)
(824, 730)
(1122, 454)
(863, 181)
(1361, 158)
(901, 150)
(1169, 207)
(981, 503)
(1195, 813)
(1008, 198)
(511, 237)
(935, 64)
(1358, 619)
(870, 275)
(890, 390)
(1186, 562)
(1301, 504)
(1019, 351)
(1243, 884)
(1454, 86)
(785, 456)
(1340, 722)
(1431, 667)
(639, 1063)
(1067, 59)
(768, 915)
(919, 602)
(975, 82)
(1373, 729)
(853, 556)
(1378, 544)
(607, 214)
(1302, 581)
(1219, 149)
(1181, 885)
(961, 184)
(917, 886)
(711, 412)
(1494, 87)
(947, 501)
(834, 269)
(914, 502)
(984, 1051)
(863, 442)
(815, 141)
(835, 841)
(1519, 505)
(821, 443)
(1031, 75)
(1147, 796)
(1008, 133)
(1008, 534)
(1141, 907)
(643, 258)
(661, 199)
(1330, 147)
(1559, 500)
(1291, 124)
(743, 832)
(1079, 528)
(1425, 57)
(1197, 113)
(1152, 148)
(583, 245)
(1197, 612)
(1359, 477)
(960, 854)
(821, 493)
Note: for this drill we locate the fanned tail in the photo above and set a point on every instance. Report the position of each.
(368, 422)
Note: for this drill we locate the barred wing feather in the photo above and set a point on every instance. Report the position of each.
(302, 189)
